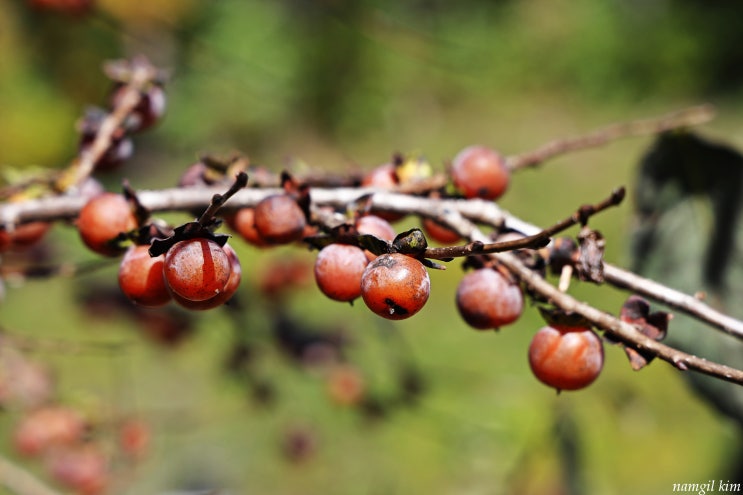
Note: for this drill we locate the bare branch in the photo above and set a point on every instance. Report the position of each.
(21, 482)
(617, 329)
(682, 118)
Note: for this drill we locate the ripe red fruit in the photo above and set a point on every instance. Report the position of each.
(566, 358)
(480, 172)
(23, 235)
(376, 226)
(134, 438)
(141, 277)
(395, 286)
(279, 219)
(338, 271)
(486, 299)
(226, 294)
(439, 233)
(48, 427)
(383, 177)
(197, 269)
(82, 468)
(102, 219)
(243, 222)
(346, 386)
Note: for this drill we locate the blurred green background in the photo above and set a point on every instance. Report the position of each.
(340, 85)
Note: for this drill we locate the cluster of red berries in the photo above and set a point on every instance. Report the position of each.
(197, 273)
(74, 450)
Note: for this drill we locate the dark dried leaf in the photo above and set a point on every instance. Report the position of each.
(560, 317)
(590, 265)
(636, 311)
(411, 242)
(190, 230)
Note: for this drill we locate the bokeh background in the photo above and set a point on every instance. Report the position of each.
(339, 86)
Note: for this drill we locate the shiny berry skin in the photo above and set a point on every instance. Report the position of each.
(566, 358)
(395, 286)
(141, 277)
(480, 172)
(102, 219)
(229, 289)
(279, 219)
(376, 226)
(338, 271)
(196, 269)
(439, 233)
(486, 299)
(243, 222)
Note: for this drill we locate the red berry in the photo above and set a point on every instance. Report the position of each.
(439, 233)
(197, 269)
(486, 299)
(566, 358)
(83, 468)
(279, 219)
(376, 226)
(346, 385)
(383, 177)
(102, 219)
(480, 172)
(134, 438)
(23, 235)
(243, 222)
(395, 286)
(141, 277)
(338, 270)
(229, 289)
(48, 427)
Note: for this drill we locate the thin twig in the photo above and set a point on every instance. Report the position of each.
(535, 241)
(682, 118)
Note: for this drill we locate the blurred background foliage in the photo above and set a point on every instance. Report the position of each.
(341, 85)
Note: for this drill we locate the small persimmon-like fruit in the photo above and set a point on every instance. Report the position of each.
(383, 177)
(480, 172)
(243, 222)
(48, 427)
(395, 286)
(23, 235)
(226, 294)
(439, 233)
(84, 468)
(486, 299)
(338, 270)
(102, 219)
(346, 386)
(141, 277)
(376, 226)
(197, 269)
(566, 358)
(279, 219)
(134, 437)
